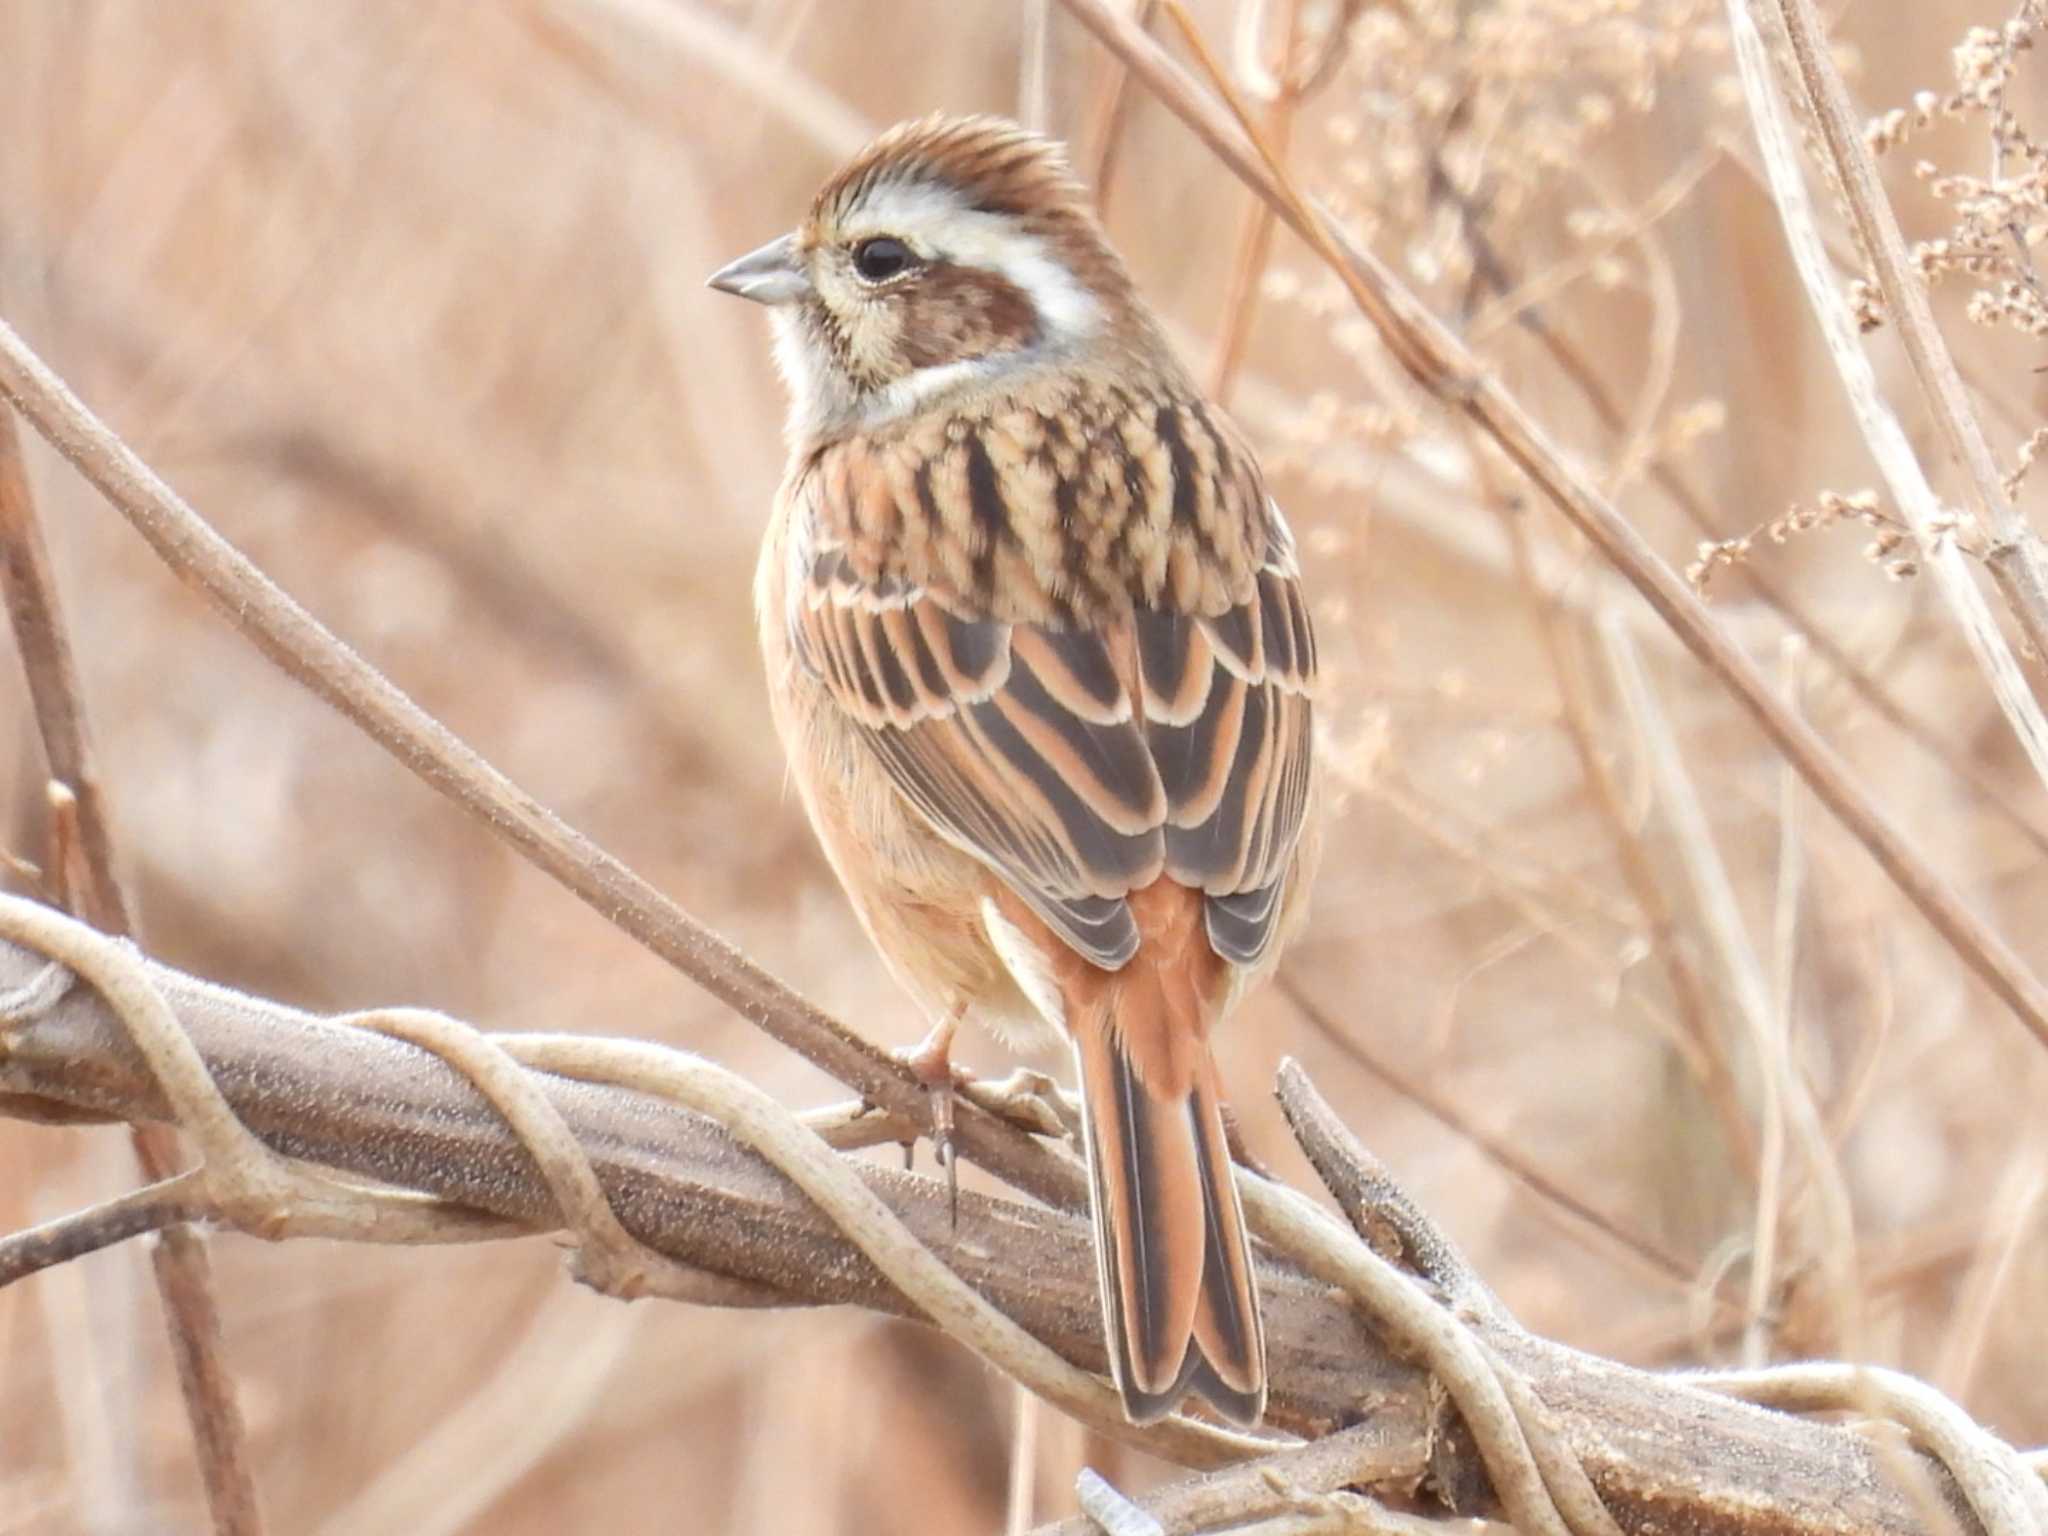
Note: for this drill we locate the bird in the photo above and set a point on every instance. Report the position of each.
(1040, 659)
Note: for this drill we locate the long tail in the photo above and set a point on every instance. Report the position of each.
(1177, 1288)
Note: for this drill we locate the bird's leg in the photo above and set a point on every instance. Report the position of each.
(931, 1059)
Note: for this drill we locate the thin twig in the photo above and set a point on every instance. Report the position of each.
(1108, 1511)
(2000, 1248)
(182, 1270)
(1378, 1209)
(1019, 1502)
(1502, 1154)
(1786, 1103)
(1791, 883)
(1104, 134)
(149, 1209)
(1706, 1056)
(1360, 1457)
(2015, 554)
(1444, 365)
(1886, 438)
(29, 588)
(1034, 103)
(1255, 229)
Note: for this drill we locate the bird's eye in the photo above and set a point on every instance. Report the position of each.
(882, 258)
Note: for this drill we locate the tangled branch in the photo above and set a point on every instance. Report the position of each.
(412, 1128)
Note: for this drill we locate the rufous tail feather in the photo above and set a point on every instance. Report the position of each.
(1177, 1287)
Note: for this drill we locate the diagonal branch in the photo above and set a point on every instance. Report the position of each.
(315, 658)
(149, 1209)
(1443, 364)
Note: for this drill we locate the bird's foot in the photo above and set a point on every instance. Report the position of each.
(931, 1061)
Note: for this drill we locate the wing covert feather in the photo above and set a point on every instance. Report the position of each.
(1079, 758)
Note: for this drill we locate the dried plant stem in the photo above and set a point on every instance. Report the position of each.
(182, 1270)
(1247, 267)
(1907, 300)
(1639, 1250)
(1668, 478)
(1104, 134)
(29, 588)
(762, 1125)
(312, 656)
(365, 1101)
(1255, 232)
(1034, 102)
(1018, 1502)
(1785, 996)
(1698, 1042)
(2015, 554)
(1786, 1105)
(149, 1209)
(1894, 711)
(1378, 1209)
(2000, 1250)
(1274, 1484)
(1517, 1463)
(1518, 304)
(1442, 364)
(250, 1185)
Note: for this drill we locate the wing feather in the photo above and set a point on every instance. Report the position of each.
(1082, 760)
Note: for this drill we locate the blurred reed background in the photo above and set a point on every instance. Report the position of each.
(408, 300)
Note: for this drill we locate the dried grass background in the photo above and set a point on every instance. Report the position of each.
(408, 299)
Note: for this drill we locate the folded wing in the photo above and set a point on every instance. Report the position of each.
(1083, 761)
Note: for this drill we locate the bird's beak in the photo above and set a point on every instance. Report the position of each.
(771, 275)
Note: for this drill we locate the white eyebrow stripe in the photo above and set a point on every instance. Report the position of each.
(938, 223)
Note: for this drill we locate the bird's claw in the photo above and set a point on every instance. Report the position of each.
(931, 1062)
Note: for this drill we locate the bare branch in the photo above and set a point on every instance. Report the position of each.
(1444, 365)
(1786, 1104)
(374, 1107)
(183, 1272)
(1509, 1159)
(149, 1209)
(311, 655)
(1371, 1201)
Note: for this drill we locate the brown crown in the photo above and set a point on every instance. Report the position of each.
(995, 164)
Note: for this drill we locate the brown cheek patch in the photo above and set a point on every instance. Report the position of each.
(954, 314)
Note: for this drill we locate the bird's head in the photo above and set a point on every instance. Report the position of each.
(951, 256)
